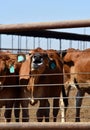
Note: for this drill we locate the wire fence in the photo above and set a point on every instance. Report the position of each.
(71, 109)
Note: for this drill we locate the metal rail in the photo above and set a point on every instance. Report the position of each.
(45, 126)
(39, 29)
(49, 34)
(45, 25)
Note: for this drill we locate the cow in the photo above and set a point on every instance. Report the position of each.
(9, 88)
(77, 72)
(42, 76)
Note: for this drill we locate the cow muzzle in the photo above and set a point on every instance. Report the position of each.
(37, 61)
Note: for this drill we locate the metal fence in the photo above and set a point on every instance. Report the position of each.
(24, 37)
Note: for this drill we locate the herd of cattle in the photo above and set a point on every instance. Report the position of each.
(41, 74)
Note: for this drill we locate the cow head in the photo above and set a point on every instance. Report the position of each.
(7, 66)
(38, 70)
(70, 57)
(41, 60)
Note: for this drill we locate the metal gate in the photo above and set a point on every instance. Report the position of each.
(21, 38)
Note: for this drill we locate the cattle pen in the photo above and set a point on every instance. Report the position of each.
(20, 39)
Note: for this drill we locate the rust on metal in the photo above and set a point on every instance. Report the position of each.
(45, 126)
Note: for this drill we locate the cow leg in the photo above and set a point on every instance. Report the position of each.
(47, 111)
(17, 110)
(44, 110)
(25, 111)
(78, 104)
(68, 90)
(8, 111)
(55, 109)
(64, 96)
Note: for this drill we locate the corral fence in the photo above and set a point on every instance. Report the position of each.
(23, 37)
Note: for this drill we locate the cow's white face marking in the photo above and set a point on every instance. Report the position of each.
(36, 62)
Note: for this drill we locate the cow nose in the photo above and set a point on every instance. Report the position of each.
(37, 58)
(37, 61)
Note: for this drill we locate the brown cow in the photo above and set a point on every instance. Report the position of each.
(77, 68)
(42, 75)
(7, 80)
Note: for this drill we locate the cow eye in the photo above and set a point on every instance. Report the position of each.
(45, 55)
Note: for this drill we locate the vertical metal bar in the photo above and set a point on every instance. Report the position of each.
(84, 41)
(70, 43)
(12, 43)
(38, 42)
(26, 44)
(47, 43)
(60, 45)
(50, 43)
(33, 42)
(18, 44)
(78, 44)
(86, 44)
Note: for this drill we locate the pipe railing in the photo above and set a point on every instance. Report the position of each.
(45, 126)
(45, 25)
(40, 29)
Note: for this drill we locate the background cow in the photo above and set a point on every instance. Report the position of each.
(9, 84)
(42, 75)
(77, 71)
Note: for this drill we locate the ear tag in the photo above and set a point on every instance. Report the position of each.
(12, 69)
(52, 65)
(20, 58)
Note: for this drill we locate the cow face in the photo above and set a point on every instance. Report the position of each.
(37, 61)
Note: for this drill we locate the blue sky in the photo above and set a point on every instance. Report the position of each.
(23, 11)
(26, 11)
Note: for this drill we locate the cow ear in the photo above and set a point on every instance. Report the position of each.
(10, 64)
(62, 53)
(21, 57)
(52, 64)
(25, 69)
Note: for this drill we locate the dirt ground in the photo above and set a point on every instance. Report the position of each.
(70, 113)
